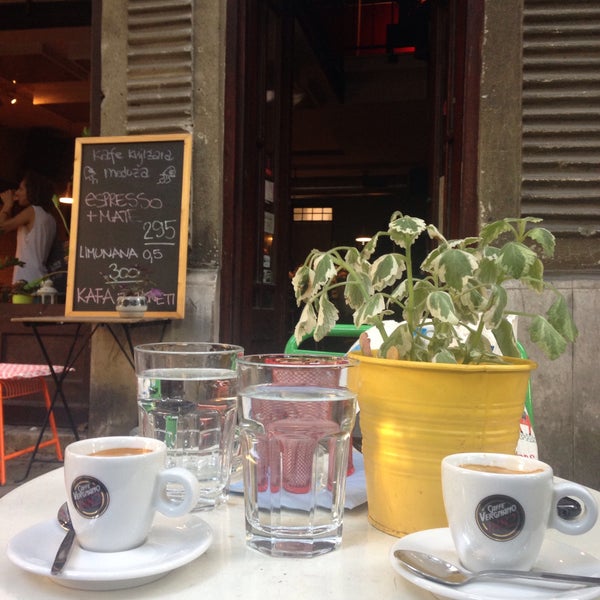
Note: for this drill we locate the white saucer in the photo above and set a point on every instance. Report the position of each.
(554, 556)
(172, 543)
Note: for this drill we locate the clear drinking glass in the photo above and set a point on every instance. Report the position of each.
(296, 416)
(187, 399)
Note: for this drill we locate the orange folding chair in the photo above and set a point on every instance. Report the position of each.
(17, 381)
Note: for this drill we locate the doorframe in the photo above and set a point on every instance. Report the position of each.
(232, 166)
(456, 81)
(458, 35)
(244, 317)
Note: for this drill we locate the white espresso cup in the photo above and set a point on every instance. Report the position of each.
(114, 487)
(500, 505)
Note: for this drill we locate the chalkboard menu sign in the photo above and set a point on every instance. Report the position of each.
(129, 223)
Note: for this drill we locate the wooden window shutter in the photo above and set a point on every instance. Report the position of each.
(561, 125)
(159, 66)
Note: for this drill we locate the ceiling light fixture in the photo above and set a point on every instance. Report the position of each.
(67, 198)
(363, 236)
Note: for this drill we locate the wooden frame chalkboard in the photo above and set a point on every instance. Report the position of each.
(129, 223)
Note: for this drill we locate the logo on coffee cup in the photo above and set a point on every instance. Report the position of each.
(90, 496)
(501, 518)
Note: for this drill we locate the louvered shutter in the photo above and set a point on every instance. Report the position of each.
(561, 125)
(159, 66)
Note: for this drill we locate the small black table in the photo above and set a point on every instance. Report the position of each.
(78, 344)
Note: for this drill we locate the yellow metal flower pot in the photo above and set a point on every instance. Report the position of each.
(413, 414)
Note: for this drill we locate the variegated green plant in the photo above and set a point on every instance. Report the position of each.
(447, 302)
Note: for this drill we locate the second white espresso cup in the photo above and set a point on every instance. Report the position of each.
(500, 505)
(114, 487)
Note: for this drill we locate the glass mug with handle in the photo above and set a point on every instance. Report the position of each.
(296, 416)
(187, 395)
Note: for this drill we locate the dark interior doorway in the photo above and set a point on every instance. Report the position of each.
(361, 133)
(374, 121)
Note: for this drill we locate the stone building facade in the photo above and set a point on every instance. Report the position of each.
(565, 392)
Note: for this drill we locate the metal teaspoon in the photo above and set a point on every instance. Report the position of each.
(438, 570)
(65, 547)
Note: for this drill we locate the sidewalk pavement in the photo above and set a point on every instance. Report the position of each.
(45, 460)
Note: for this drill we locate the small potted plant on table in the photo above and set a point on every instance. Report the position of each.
(133, 291)
(436, 385)
(22, 292)
(9, 291)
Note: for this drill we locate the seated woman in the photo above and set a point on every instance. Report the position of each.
(35, 225)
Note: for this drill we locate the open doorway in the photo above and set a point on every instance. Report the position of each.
(361, 132)
(372, 108)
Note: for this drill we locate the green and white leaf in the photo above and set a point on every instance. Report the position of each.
(370, 247)
(386, 270)
(325, 270)
(444, 356)
(472, 300)
(306, 323)
(303, 283)
(492, 231)
(405, 230)
(358, 289)
(516, 259)
(441, 307)
(544, 238)
(354, 258)
(498, 299)
(401, 338)
(456, 267)
(421, 292)
(326, 318)
(489, 269)
(550, 341)
(505, 336)
(371, 312)
(535, 277)
(400, 292)
(561, 319)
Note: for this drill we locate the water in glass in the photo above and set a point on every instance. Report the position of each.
(193, 410)
(295, 444)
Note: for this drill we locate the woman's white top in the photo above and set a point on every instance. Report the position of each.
(33, 247)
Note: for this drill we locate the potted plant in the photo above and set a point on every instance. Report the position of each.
(22, 292)
(8, 262)
(134, 290)
(436, 385)
(25, 292)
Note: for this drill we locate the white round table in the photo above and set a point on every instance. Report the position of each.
(358, 570)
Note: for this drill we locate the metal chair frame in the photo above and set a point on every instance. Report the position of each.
(16, 388)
